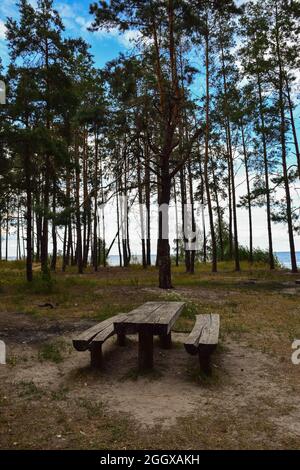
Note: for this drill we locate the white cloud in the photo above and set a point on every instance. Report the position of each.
(75, 21)
(2, 30)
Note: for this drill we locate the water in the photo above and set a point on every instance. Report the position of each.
(114, 260)
(284, 258)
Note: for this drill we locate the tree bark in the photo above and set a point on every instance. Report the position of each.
(284, 153)
(266, 171)
(206, 160)
(248, 195)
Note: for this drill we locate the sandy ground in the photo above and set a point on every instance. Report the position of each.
(251, 401)
(244, 380)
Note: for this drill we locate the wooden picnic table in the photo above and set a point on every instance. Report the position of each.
(151, 318)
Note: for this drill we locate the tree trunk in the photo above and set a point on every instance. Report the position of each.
(54, 234)
(284, 153)
(142, 221)
(95, 229)
(266, 171)
(248, 195)
(148, 203)
(206, 160)
(177, 226)
(29, 253)
(163, 246)
(231, 167)
(78, 218)
(193, 222)
(219, 214)
(293, 125)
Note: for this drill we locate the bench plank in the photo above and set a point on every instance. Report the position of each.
(158, 316)
(104, 334)
(205, 332)
(169, 313)
(82, 342)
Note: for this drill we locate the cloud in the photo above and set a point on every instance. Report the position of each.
(2, 30)
(80, 24)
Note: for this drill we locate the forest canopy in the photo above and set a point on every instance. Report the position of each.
(151, 127)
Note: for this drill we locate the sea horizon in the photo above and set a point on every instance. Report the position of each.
(284, 257)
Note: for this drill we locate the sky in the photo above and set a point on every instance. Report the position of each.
(76, 18)
(105, 46)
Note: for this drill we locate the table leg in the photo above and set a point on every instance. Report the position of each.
(166, 341)
(145, 348)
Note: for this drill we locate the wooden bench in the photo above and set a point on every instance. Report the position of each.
(93, 338)
(203, 339)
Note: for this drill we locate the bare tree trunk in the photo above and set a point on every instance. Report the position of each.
(206, 160)
(95, 229)
(54, 234)
(219, 214)
(78, 215)
(266, 171)
(7, 234)
(103, 215)
(202, 193)
(193, 222)
(230, 233)
(163, 246)
(119, 227)
(231, 166)
(293, 124)
(235, 226)
(248, 195)
(18, 251)
(29, 253)
(177, 226)
(148, 203)
(284, 153)
(183, 221)
(38, 223)
(142, 218)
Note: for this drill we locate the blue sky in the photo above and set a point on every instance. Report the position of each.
(76, 18)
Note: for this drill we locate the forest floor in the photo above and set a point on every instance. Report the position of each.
(51, 399)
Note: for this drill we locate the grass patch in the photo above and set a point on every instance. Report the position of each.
(197, 376)
(60, 394)
(29, 390)
(93, 408)
(53, 352)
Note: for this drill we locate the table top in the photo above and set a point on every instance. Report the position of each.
(159, 317)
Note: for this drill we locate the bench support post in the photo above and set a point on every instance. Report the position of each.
(96, 356)
(121, 340)
(204, 353)
(166, 341)
(145, 348)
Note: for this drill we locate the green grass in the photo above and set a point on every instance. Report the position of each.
(29, 390)
(53, 352)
